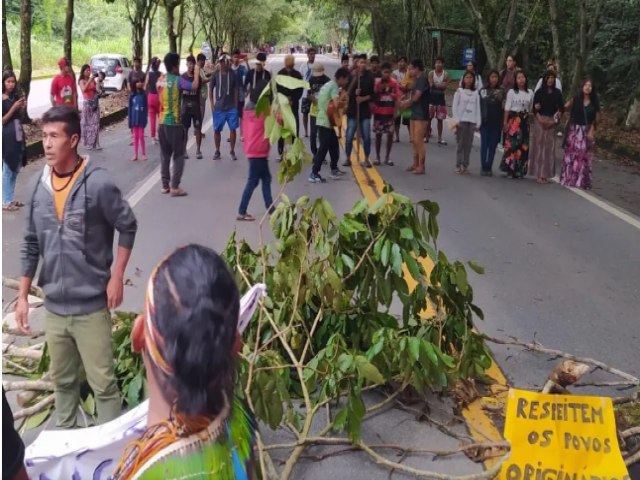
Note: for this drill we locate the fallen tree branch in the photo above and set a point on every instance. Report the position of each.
(29, 385)
(13, 351)
(630, 432)
(558, 353)
(18, 333)
(14, 284)
(632, 459)
(37, 408)
(28, 396)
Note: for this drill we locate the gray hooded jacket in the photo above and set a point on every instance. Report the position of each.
(76, 252)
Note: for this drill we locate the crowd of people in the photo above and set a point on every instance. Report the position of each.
(191, 297)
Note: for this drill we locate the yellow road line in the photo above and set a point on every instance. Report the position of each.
(480, 424)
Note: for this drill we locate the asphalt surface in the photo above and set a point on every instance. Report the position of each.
(559, 268)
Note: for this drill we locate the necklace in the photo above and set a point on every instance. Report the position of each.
(68, 175)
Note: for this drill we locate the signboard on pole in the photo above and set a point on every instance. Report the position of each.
(468, 55)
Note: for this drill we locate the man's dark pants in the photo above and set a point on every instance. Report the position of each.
(171, 139)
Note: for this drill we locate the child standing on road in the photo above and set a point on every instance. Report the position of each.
(138, 112)
(256, 149)
(468, 120)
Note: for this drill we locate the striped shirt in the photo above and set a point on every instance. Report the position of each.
(169, 88)
(385, 96)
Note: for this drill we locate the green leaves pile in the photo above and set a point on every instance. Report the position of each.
(326, 330)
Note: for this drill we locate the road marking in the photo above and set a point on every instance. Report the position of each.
(481, 426)
(618, 212)
(135, 196)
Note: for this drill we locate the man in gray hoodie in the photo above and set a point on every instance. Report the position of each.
(74, 211)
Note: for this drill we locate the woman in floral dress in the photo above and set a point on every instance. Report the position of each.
(517, 109)
(576, 165)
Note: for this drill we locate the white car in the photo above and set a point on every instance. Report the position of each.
(115, 67)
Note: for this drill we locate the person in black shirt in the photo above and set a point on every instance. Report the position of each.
(12, 446)
(491, 100)
(190, 109)
(359, 110)
(258, 77)
(548, 106)
(317, 80)
(294, 95)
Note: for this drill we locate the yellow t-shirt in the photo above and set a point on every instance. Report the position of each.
(61, 188)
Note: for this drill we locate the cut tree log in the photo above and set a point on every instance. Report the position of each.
(15, 285)
(37, 408)
(13, 351)
(29, 385)
(27, 397)
(564, 374)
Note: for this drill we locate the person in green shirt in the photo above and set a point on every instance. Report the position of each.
(330, 92)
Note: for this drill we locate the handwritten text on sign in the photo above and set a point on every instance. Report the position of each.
(561, 437)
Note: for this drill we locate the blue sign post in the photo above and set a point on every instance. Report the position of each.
(468, 55)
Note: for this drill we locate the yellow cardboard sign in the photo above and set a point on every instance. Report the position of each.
(561, 437)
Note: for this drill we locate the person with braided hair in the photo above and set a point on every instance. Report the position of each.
(188, 336)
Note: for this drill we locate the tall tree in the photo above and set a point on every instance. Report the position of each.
(589, 18)
(7, 64)
(139, 12)
(24, 81)
(170, 11)
(68, 30)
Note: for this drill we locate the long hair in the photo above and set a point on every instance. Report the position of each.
(196, 312)
(578, 99)
(548, 74)
(473, 77)
(515, 82)
(493, 72)
(5, 76)
(84, 68)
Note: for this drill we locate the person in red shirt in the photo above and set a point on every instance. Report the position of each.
(63, 86)
(386, 93)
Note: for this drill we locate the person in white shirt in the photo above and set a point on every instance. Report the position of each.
(517, 109)
(468, 118)
(400, 74)
(307, 71)
(551, 67)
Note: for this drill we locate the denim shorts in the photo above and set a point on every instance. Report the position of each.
(230, 117)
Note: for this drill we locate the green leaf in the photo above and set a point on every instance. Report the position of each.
(412, 265)
(133, 391)
(348, 261)
(414, 348)
(430, 352)
(345, 362)
(406, 233)
(479, 269)
(89, 405)
(396, 259)
(461, 280)
(377, 248)
(291, 83)
(368, 370)
(384, 255)
(34, 421)
(341, 419)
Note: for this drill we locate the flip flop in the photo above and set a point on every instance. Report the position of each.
(245, 218)
(164, 190)
(9, 208)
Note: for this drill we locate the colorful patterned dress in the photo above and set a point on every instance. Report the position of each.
(576, 165)
(515, 161)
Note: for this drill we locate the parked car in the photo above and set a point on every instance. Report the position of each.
(115, 67)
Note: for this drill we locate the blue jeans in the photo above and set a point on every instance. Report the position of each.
(8, 183)
(365, 136)
(258, 171)
(489, 138)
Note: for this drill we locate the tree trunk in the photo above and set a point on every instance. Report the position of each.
(181, 26)
(633, 118)
(507, 34)
(68, 31)
(555, 34)
(170, 8)
(7, 64)
(25, 48)
(483, 31)
(585, 39)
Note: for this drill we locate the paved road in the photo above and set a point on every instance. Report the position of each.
(559, 267)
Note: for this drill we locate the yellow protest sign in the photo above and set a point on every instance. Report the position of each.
(561, 437)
